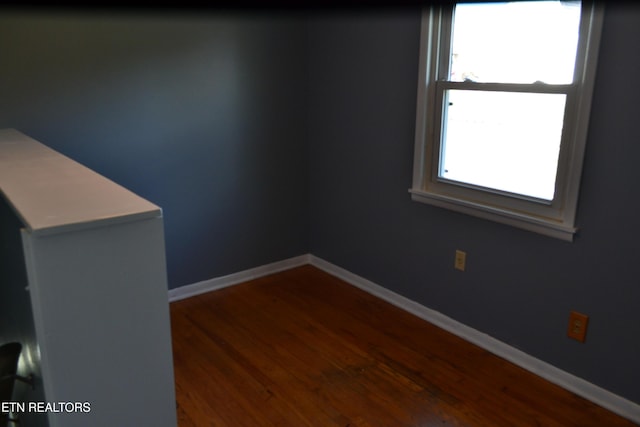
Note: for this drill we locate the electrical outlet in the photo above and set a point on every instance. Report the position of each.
(461, 260)
(577, 326)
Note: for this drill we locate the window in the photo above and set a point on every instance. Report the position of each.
(503, 105)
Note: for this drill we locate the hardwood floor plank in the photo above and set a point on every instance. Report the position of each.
(204, 371)
(477, 366)
(303, 348)
(240, 378)
(436, 380)
(332, 375)
(352, 364)
(266, 357)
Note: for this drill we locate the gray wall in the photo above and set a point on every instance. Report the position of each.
(519, 286)
(200, 112)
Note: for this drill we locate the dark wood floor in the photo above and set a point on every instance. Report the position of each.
(302, 348)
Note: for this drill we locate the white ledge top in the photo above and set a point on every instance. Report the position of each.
(52, 193)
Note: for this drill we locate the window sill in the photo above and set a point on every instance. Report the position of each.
(535, 224)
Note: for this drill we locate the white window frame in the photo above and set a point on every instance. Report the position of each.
(555, 218)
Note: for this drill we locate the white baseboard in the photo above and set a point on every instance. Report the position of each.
(617, 404)
(233, 279)
(589, 391)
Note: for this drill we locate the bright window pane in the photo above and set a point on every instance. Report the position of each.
(515, 42)
(505, 141)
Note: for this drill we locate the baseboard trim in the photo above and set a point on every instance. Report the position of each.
(198, 288)
(617, 404)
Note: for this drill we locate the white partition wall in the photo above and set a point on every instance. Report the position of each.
(95, 263)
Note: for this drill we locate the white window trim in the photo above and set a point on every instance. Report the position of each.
(555, 219)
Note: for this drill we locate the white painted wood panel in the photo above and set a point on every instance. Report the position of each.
(51, 193)
(96, 273)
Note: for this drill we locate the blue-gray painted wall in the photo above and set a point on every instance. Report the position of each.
(265, 137)
(200, 112)
(518, 286)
